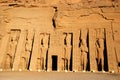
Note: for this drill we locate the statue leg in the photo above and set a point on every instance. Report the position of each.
(44, 51)
(44, 60)
(102, 61)
(38, 63)
(45, 63)
(8, 62)
(79, 66)
(62, 64)
(66, 64)
(42, 63)
(98, 60)
(82, 61)
(69, 56)
(85, 61)
(24, 64)
(27, 58)
(69, 64)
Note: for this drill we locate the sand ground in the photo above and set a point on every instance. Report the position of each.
(58, 76)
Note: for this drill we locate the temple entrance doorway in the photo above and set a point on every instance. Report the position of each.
(54, 62)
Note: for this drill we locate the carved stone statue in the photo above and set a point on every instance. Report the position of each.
(24, 62)
(44, 40)
(65, 60)
(67, 49)
(100, 47)
(28, 45)
(84, 53)
(83, 59)
(11, 50)
(39, 64)
(100, 52)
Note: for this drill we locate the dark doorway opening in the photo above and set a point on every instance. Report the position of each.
(54, 62)
(118, 64)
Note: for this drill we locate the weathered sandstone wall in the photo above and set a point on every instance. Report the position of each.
(75, 35)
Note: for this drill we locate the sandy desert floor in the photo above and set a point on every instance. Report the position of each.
(58, 76)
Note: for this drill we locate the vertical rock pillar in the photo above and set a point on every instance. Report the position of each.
(20, 47)
(59, 59)
(112, 63)
(93, 64)
(116, 33)
(59, 49)
(76, 51)
(35, 52)
(49, 67)
(3, 49)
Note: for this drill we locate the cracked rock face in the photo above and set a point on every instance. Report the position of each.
(60, 27)
(61, 12)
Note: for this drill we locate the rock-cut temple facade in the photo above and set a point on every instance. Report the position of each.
(43, 35)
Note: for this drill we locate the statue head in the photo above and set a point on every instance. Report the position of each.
(13, 38)
(83, 42)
